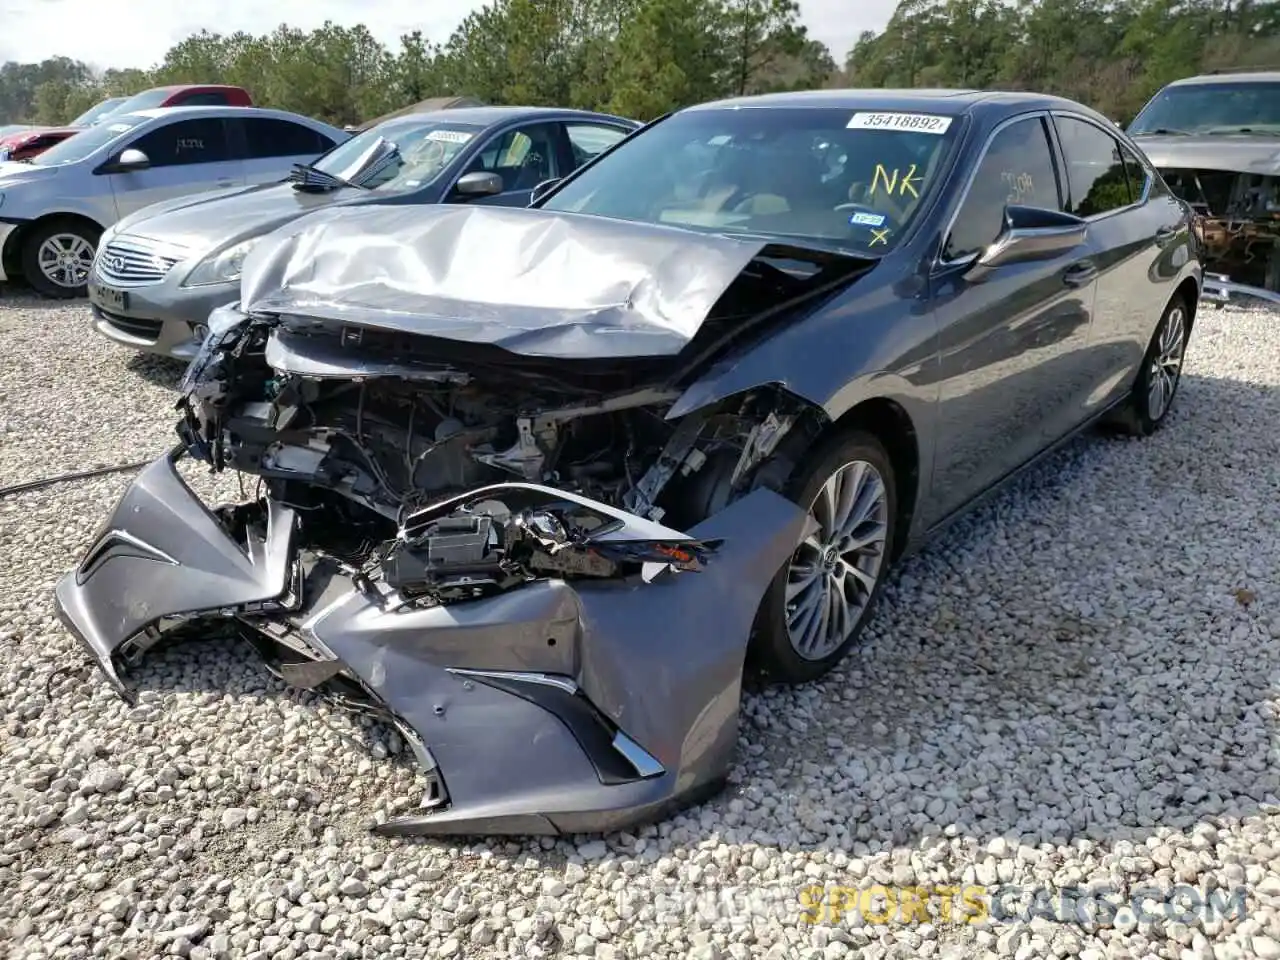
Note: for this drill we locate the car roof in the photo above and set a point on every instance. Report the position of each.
(486, 116)
(216, 110)
(1255, 76)
(947, 102)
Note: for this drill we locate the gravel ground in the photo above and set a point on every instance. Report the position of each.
(1075, 687)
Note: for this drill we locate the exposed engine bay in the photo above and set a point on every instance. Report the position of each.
(1239, 226)
(394, 473)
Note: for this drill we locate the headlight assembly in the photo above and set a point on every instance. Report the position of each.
(221, 267)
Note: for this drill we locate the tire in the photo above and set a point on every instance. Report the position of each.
(1147, 408)
(854, 457)
(68, 237)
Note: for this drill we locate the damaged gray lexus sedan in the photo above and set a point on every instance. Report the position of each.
(539, 485)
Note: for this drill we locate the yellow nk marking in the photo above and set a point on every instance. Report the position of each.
(896, 181)
(879, 236)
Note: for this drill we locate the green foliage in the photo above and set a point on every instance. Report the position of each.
(642, 58)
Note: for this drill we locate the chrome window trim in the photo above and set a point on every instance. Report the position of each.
(1042, 115)
(1146, 186)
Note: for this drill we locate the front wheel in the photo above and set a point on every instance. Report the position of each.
(1153, 391)
(57, 257)
(818, 604)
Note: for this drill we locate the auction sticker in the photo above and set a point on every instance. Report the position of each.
(449, 136)
(901, 122)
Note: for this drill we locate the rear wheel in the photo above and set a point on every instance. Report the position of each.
(56, 257)
(818, 604)
(1153, 391)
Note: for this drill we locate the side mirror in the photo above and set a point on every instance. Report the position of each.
(1030, 233)
(542, 189)
(478, 184)
(131, 160)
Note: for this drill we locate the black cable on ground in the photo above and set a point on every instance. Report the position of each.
(67, 477)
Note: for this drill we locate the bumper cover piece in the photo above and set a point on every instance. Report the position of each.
(556, 707)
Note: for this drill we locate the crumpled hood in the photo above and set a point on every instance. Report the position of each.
(566, 286)
(205, 221)
(1235, 154)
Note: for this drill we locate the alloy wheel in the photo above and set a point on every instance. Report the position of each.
(834, 572)
(65, 259)
(1166, 364)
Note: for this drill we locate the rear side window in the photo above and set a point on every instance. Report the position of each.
(1017, 169)
(589, 140)
(185, 142)
(209, 98)
(1137, 172)
(1095, 168)
(268, 137)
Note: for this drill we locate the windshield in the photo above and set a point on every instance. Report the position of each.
(1211, 108)
(82, 144)
(96, 113)
(145, 100)
(425, 148)
(840, 178)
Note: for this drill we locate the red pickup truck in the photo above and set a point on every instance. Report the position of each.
(22, 144)
(187, 95)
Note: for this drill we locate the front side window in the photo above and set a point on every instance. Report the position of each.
(1095, 168)
(523, 157)
(1016, 170)
(185, 142)
(836, 177)
(1211, 108)
(424, 147)
(86, 142)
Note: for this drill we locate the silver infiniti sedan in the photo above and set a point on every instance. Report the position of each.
(55, 206)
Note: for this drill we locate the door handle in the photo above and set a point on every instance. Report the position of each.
(1080, 274)
(226, 183)
(1165, 235)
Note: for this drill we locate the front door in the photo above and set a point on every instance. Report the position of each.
(1009, 342)
(187, 156)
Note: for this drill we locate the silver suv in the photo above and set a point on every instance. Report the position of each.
(55, 206)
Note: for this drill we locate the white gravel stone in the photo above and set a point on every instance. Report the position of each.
(1075, 686)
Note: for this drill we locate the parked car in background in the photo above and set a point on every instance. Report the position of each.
(187, 95)
(8, 128)
(25, 144)
(54, 207)
(1216, 140)
(536, 484)
(483, 155)
(98, 112)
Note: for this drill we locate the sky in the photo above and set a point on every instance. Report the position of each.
(137, 33)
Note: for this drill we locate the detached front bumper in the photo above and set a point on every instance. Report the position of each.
(551, 708)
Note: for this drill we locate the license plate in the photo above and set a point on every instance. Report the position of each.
(110, 298)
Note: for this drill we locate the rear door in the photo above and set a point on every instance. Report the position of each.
(188, 155)
(1129, 231)
(523, 156)
(271, 146)
(1009, 342)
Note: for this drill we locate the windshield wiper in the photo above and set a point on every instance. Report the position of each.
(1227, 131)
(307, 177)
(1163, 132)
